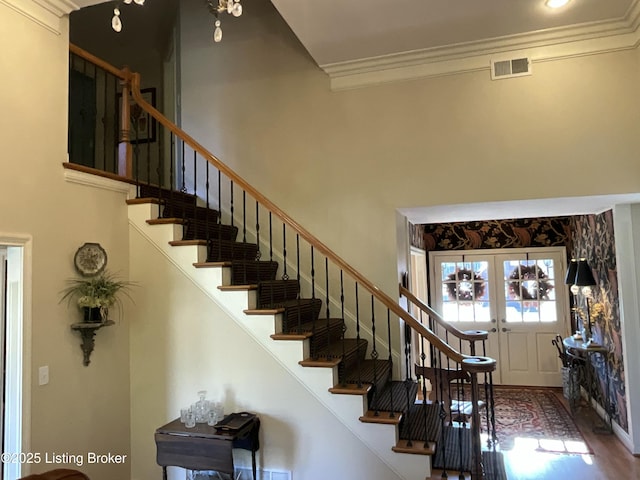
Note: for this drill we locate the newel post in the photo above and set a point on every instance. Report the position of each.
(125, 152)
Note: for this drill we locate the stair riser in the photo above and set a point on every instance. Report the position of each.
(227, 251)
(191, 212)
(272, 294)
(351, 360)
(167, 197)
(246, 273)
(202, 231)
(295, 316)
(323, 337)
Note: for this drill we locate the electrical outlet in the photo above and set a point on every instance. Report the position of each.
(43, 375)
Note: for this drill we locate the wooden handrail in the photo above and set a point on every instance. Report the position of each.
(469, 335)
(123, 74)
(471, 364)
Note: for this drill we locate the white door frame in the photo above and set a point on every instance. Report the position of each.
(18, 252)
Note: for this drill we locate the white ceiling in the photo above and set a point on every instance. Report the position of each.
(346, 30)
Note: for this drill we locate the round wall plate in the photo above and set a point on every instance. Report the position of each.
(90, 259)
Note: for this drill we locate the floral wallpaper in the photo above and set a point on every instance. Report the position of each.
(593, 239)
(519, 233)
(586, 236)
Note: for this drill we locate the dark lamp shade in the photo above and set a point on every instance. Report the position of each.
(571, 272)
(584, 276)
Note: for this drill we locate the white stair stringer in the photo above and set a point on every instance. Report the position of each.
(379, 438)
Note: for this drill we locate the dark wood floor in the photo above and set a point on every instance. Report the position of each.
(610, 459)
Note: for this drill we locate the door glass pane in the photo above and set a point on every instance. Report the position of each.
(529, 290)
(465, 291)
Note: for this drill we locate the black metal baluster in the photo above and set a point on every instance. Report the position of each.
(218, 257)
(423, 363)
(358, 339)
(298, 310)
(408, 381)
(327, 301)
(184, 169)
(344, 326)
(208, 206)
(270, 237)
(195, 174)
(244, 216)
(374, 356)
(104, 121)
(258, 230)
(440, 396)
(392, 414)
(148, 147)
(116, 133)
(285, 275)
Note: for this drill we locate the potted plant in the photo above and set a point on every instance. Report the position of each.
(95, 295)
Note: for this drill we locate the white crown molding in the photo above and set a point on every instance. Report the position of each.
(552, 44)
(46, 13)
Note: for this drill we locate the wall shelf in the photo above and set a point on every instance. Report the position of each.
(88, 332)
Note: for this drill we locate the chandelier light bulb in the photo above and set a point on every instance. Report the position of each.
(139, 2)
(217, 33)
(237, 9)
(116, 23)
(128, 1)
(229, 7)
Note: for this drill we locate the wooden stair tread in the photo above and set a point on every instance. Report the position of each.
(418, 447)
(382, 417)
(142, 201)
(290, 336)
(234, 288)
(211, 264)
(263, 311)
(351, 389)
(186, 243)
(166, 221)
(320, 363)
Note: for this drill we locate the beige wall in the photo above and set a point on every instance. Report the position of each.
(341, 163)
(182, 342)
(82, 408)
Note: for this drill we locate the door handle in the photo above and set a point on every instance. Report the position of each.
(506, 329)
(493, 330)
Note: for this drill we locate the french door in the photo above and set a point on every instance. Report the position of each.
(517, 295)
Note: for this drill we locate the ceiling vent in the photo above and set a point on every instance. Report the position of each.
(515, 67)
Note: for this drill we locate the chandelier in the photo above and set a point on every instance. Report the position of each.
(232, 7)
(116, 23)
(216, 7)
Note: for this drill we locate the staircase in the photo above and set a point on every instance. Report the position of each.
(356, 384)
(326, 324)
(338, 370)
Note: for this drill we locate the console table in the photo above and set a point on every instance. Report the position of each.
(579, 350)
(204, 447)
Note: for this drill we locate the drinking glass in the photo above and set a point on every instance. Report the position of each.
(190, 420)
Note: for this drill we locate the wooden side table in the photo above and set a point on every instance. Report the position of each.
(204, 447)
(579, 349)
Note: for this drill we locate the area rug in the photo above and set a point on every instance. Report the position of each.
(534, 419)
